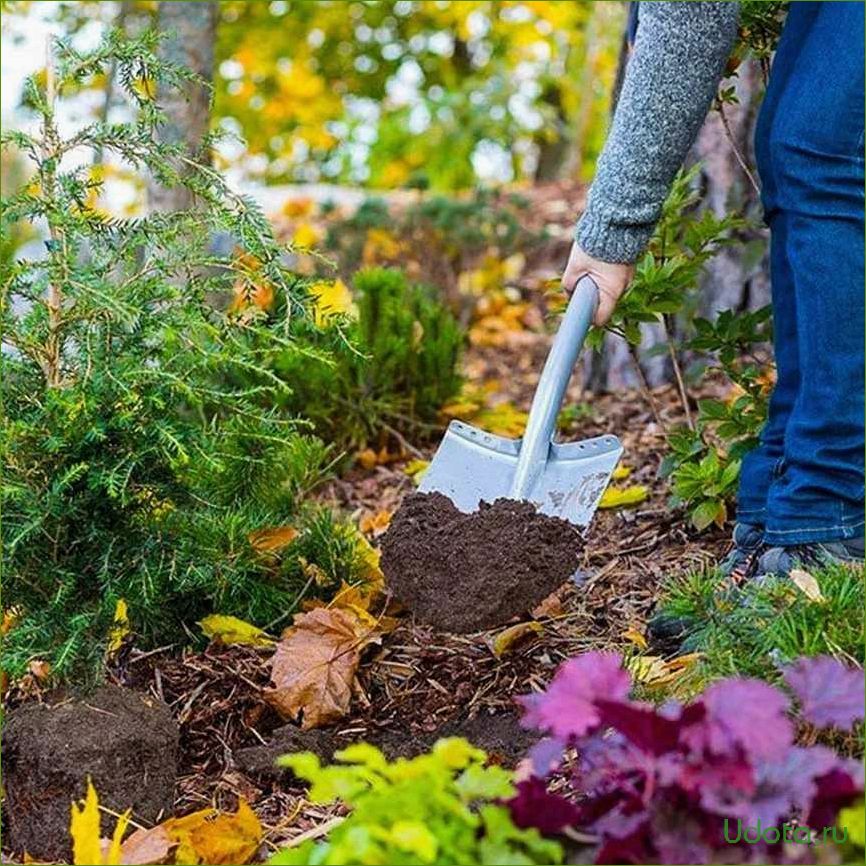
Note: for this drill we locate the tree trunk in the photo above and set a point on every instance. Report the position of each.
(190, 29)
(738, 277)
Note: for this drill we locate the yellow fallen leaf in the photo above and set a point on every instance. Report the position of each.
(632, 635)
(503, 419)
(615, 497)
(120, 629)
(305, 236)
(314, 572)
(807, 584)
(84, 829)
(508, 638)
(375, 524)
(370, 556)
(621, 472)
(415, 469)
(216, 838)
(360, 595)
(314, 666)
(331, 299)
(656, 672)
(272, 539)
(367, 458)
(465, 407)
(648, 669)
(231, 630)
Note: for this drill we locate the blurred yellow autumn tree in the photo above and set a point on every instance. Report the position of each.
(418, 92)
(426, 93)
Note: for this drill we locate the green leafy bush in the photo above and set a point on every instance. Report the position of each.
(704, 462)
(439, 808)
(667, 273)
(134, 467)
(393, 365)
(704, 458)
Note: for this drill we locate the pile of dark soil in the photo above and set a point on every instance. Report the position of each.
(468, 572)
(125, 742)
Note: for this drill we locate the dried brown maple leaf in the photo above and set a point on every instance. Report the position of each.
(314, 667)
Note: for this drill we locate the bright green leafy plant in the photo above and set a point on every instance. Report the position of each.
(439, 808)
(704, 461)
(134, 466)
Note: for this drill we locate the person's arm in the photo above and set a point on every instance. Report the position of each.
(671, 77)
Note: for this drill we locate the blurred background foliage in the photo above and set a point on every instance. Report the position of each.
(418, 93)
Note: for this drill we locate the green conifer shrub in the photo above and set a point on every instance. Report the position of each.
(137, 465)
(394, 365)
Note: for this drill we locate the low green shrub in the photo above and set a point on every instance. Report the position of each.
(751, 630)
(394, 365)
(137, 464)
(442, 807)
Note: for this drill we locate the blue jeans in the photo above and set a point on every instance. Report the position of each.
(804, 482)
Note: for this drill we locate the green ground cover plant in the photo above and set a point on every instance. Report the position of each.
(442, 807)
(139, 464)
(753, 629)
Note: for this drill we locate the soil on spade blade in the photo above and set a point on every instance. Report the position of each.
(468, 572)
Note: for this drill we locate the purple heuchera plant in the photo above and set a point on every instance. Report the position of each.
(656, 784)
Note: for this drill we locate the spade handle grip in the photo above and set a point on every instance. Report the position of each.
(541, 424)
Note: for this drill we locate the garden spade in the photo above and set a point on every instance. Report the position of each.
(562, 479)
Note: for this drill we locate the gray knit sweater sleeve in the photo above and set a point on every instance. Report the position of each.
(671, 77)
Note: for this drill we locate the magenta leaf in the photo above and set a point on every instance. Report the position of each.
(568, 707)
(643, 725)
(656, 784)
(742, 714)
(534, 806)
(834, 791)
(830, 693)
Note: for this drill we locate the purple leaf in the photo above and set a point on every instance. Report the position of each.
(631, 849)
(534, 806)
(646, 728)
(833, 791)
(546, 756)
(829, 692)
(567, 708)
(742, 714)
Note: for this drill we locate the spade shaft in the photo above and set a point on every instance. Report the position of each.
(549, 392)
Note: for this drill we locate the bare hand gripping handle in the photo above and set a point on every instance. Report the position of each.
(546, 403)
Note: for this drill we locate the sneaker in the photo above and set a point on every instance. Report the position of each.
(779, 561)
(748, 544)
(668, 632)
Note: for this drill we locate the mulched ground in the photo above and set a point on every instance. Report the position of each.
(421, 682)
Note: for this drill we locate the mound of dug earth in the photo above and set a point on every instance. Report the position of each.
(125, 742)
(468, 572)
